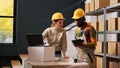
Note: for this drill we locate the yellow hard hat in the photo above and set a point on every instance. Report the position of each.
(57, 16)
(78, 13)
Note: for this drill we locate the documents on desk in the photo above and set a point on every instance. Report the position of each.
(58, 63)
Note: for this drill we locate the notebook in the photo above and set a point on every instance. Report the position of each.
(34, 39)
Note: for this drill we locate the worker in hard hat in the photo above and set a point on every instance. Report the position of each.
(56, 35)
(87, 33)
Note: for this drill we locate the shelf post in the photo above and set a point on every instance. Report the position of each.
(105, 39)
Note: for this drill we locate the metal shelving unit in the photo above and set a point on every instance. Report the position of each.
(113, 56)
(108, 55)
(109, 9)
(110, 32)
(99, 54)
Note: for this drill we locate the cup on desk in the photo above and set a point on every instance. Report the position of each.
(75, 60)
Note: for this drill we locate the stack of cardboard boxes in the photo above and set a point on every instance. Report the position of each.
(113, 48)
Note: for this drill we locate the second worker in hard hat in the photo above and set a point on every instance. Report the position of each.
(87, 33)
(56, 35)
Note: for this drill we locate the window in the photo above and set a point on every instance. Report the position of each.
(7, 19)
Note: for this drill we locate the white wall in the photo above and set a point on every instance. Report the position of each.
(71, 50)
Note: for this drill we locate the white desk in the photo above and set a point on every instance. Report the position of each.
(58, 63)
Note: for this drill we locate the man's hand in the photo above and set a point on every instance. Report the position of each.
(85, 44)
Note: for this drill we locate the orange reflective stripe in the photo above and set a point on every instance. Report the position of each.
(94, 41)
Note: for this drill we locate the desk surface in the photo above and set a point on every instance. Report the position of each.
(58, 63)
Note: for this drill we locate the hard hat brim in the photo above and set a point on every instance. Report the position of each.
(75, 17)
(57, 19)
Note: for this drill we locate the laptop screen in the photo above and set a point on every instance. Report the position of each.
(34, 39)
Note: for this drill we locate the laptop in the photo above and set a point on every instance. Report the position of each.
(35, 39)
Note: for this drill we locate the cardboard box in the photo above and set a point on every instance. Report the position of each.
(118, 49)
(99, 62)
(113, 64)
(114, 2)
(119, 63)
(41, 53)
(99, 47)
(92, 5)
(112, 48)
(100, 37)
(118, 23)
(112, 24)
(87, 7)
(101, 25)
(110, 37)
(101, 3)
(113, 37)
(95, 25)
